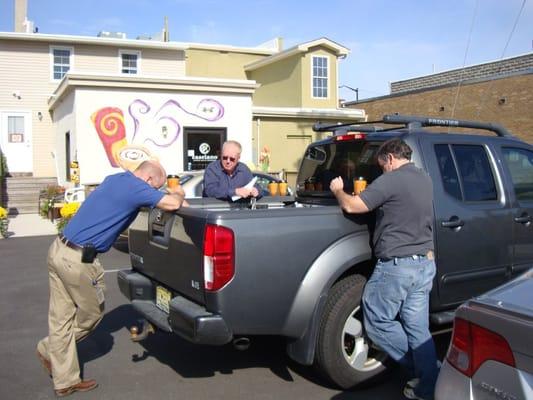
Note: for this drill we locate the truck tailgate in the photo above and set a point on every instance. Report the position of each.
(168, 248)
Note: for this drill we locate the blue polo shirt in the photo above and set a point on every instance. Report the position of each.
(110, 209)
(218, 184)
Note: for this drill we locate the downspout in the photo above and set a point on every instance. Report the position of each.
(258, 124)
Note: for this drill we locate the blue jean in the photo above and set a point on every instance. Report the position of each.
(396, 316)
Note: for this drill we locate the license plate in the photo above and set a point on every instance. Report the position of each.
(162, 298)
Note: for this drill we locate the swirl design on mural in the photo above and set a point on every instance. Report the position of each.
(137, 106)
(164, 129)
(109, 124)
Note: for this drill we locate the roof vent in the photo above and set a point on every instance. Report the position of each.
(112, 35)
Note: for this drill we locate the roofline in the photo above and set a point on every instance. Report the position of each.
(300, 48)
(460, 68)
(138, 43)
(193, 84)
(437, 87)
(301, 112)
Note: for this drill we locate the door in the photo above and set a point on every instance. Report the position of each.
(519, 163)
(202, 146)
(473, 222)
(16, 141)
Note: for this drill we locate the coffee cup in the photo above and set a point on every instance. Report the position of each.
(273, 188)
(359, 185)
(282, 188)
(173, 181)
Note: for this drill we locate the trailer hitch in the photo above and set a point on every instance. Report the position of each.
(146, 329)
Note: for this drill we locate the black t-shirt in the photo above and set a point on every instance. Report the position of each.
(404, 215)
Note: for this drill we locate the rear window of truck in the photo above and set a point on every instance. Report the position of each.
(351, 159)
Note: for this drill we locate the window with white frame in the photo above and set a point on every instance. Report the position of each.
(320, 76)
(61, 61)
(129, 62)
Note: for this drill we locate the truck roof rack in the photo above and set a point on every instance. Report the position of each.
(413, 122)
(410, 122)
(341, 129)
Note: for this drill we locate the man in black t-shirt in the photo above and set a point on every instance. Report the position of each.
(396, 297)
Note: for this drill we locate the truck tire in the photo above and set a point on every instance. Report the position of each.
(343, 353)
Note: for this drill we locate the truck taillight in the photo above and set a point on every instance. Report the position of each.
(219, 256)
(350, 136)
(472, 345)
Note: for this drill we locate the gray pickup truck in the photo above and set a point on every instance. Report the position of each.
(217, 273)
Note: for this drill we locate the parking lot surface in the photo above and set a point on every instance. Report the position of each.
(162, 366)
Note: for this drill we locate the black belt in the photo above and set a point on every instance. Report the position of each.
(70, 244)
(412, 257)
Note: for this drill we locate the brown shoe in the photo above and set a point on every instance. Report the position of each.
(47, 365)
(83, 386)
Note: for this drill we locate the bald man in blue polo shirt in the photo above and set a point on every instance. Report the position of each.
(75, 274)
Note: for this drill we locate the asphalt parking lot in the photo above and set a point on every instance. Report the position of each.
(161, 367)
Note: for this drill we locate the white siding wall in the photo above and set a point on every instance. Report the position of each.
(25, 68)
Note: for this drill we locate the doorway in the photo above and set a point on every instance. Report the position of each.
(16, 141)
(202, 146)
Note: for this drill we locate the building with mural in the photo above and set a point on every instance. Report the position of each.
(107, 99)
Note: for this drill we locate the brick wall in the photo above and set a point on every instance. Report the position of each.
(476, 72)
(476, 101)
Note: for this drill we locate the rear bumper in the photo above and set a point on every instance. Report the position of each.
(185, 318)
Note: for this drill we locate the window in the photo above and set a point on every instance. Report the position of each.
(520, 164)
(320, 77)
(61, 60)
(15, 129)
(129, 62)
(470, 177)
(448, 173)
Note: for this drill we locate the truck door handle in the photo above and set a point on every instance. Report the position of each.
(453, 222)
(525, 218)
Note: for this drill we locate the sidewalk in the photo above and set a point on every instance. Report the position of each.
(30, 225)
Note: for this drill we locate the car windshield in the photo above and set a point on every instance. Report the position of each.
(348, 159)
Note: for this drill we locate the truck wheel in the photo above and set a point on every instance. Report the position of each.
(343, 352)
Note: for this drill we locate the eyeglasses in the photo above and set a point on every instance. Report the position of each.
(225, 158)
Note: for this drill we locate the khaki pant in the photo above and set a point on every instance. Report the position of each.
(76, 307)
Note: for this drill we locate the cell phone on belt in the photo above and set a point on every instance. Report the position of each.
(88, 253)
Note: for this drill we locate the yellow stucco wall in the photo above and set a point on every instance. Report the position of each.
(281, 83)
(218, 64)
(288, 82)
(287, 139)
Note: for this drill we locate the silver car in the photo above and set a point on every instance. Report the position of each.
(491, 352)
(193, 183)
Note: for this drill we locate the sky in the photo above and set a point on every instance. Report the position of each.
(389, 40)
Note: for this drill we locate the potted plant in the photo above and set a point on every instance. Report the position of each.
(4, 222)
(47, 198)
(66, 212)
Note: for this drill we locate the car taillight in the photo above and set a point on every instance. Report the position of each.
(219, 257)
(349, 136)
(472, 345)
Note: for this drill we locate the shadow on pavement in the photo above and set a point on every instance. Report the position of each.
(198, 361)
(100, 341)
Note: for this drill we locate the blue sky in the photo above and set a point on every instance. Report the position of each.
(389, 40)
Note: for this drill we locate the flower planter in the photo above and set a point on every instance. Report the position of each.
(4, 225)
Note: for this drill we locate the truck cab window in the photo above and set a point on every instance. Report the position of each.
(473, 173)
(520, 164)
(448, 173)
(350, 160)
(476, 173)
